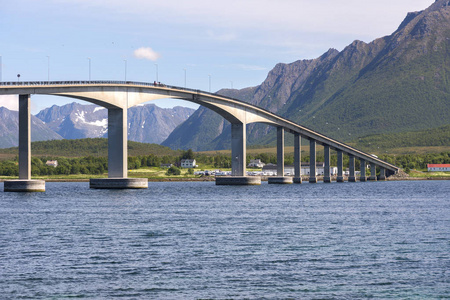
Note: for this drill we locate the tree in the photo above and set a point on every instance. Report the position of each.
(173, 171)
(188, 154)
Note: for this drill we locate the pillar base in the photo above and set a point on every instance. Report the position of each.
(312, 179)
(363, 178)
(352, 179)
(381, 178)
(373, 178)
(238, 180)
(298, 180)
(118, 183)
(23, 185)
(327, 179)
(340, 179)
(280, 180)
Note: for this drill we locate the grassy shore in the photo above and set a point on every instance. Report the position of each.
(159, 174)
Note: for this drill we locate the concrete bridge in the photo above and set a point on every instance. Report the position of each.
(118, 96)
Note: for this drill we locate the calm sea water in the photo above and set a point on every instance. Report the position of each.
(376, 240)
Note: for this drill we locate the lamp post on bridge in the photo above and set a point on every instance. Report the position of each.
(125, 69)
(184, 78)
(209, 83)
(156, 65)
(1, 68)
(48, 68)
(89, 68)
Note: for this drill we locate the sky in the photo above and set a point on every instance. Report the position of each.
(207, 45)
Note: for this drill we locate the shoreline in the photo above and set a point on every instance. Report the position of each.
(201, 179)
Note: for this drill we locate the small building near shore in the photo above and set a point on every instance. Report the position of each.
(256, 163)
(188, 163)
(438, 167)
(52, 163)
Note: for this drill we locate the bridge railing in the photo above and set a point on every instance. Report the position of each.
(88, 82)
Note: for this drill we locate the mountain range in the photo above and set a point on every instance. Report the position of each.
(146, 123)
(397, 83)
(9, 132)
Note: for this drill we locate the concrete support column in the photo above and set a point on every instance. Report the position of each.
(373, 172)
(382, 174)
(24, 137)
(118, 156)
(326, 172)
(298, 158)
(238, 159)
(238, 149)
(117, 143)
(312, 161)
(340, 177)
(280, 178)
(24, 183)
(363, 168)
(351, 167)
(280, 151)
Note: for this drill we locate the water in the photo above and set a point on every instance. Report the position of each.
(378, 240)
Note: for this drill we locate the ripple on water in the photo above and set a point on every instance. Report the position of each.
(198, 240)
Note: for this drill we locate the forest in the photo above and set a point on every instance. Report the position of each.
(91, 165)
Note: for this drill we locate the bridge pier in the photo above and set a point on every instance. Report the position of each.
(363, 166)
(238, 159)
(351, 169)
(382, 174)
(238, 149)
(24, 184)
(118, 155)
(340, 175)
(312, 161)
(297, 158)
(280, 178)
(373, 172)
(326, 172)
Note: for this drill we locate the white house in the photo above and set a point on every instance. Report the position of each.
(188, 163)
(52, 163)
(256, 163)
(438, 167)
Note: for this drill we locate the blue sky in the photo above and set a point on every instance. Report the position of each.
(234, 42)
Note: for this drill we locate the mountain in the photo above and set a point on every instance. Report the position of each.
(398, 83)
(152, 124)
(9, 129)
(76, 121)
(147, 123)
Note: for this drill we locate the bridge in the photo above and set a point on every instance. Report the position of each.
(118, 96)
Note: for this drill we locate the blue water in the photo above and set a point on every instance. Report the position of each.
(380, 240)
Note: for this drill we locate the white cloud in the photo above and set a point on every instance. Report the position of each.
(11, 102)
(146, 53)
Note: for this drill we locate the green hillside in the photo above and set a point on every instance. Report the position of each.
(439, 137)
(97, 147)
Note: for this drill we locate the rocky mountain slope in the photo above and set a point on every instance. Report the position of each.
(146, 123)
(9, 132)
(397, 83)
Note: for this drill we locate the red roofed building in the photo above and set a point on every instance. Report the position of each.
(438, 167)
